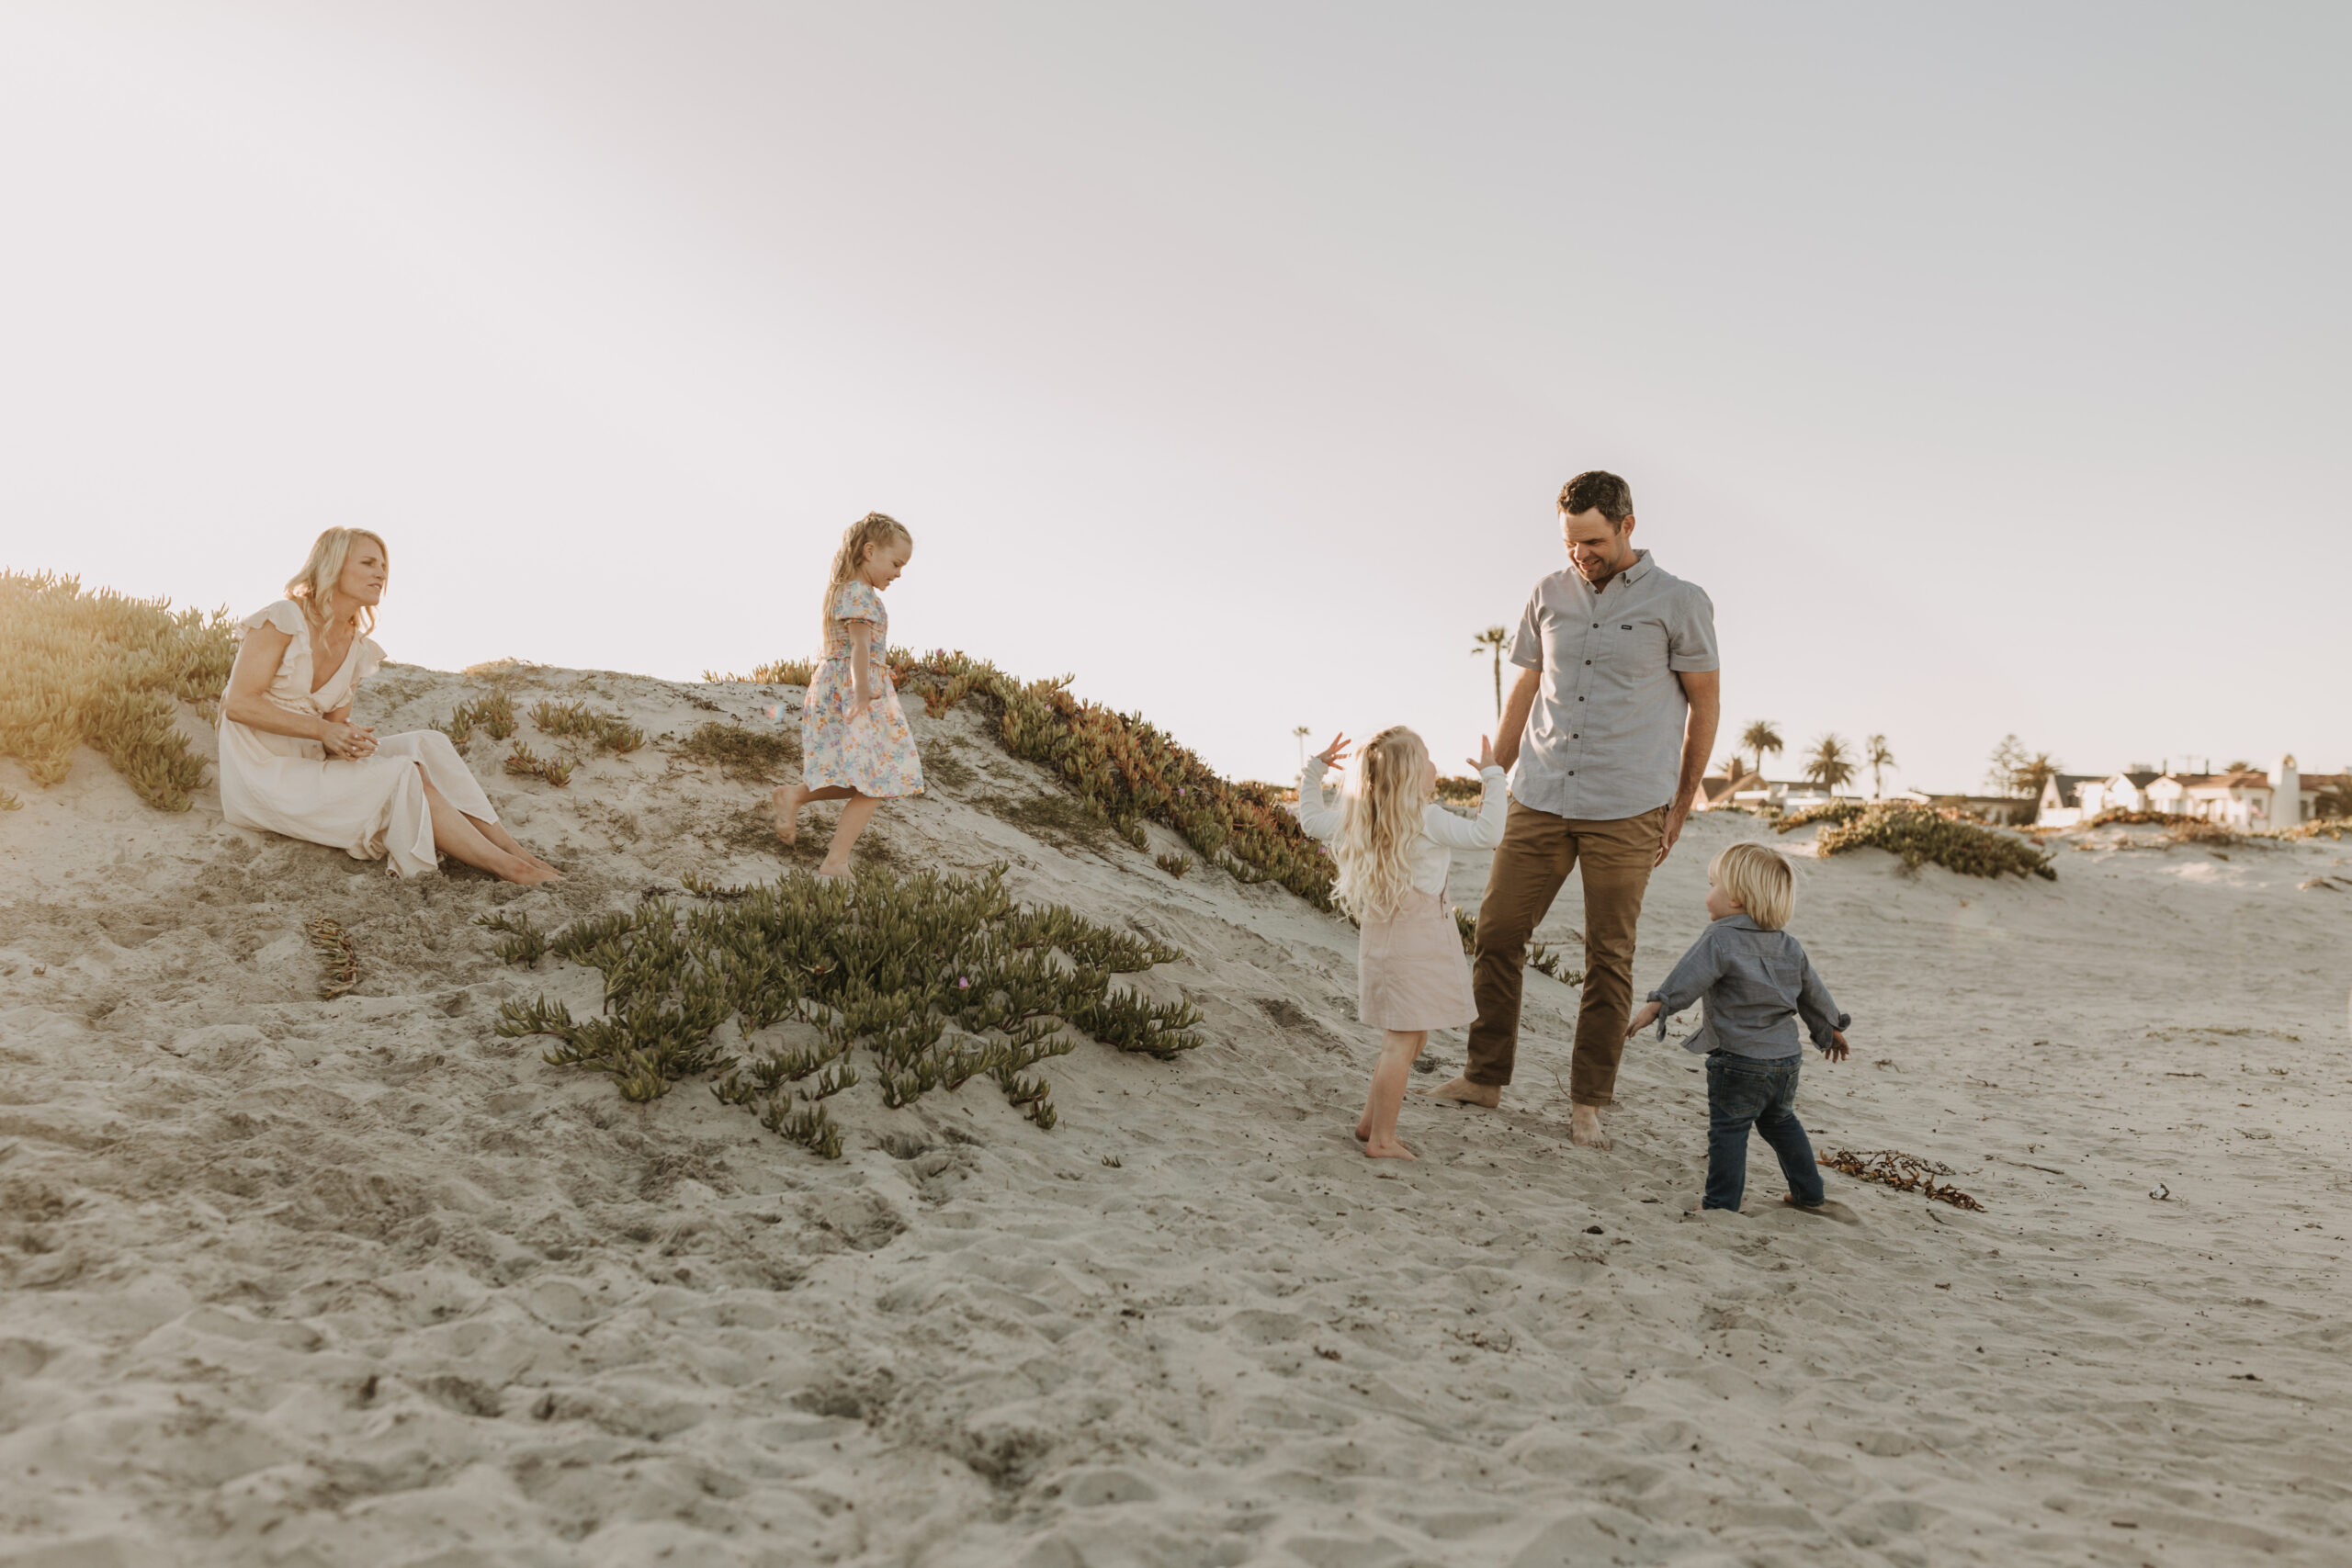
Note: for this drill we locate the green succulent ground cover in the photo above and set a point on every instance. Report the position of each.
(108, 671)
(1128, 772)
(1837, 814)
(1920, 834)
(941, 979)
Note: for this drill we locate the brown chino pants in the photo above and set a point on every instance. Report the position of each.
(1538, 851)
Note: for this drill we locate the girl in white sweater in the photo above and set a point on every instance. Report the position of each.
(1394, 844)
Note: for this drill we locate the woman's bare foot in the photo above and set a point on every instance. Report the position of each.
(1364, 1128)
(785, 803)
(1584, 1127)
(528, 873)
(1386, 1148)
(1462, 1091)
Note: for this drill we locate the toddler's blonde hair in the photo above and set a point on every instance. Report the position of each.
(1379, 826)
(1764, 883)
(312, 588)
(875, 528)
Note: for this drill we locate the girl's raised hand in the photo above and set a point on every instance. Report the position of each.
(1485, 757)
(1331, 756)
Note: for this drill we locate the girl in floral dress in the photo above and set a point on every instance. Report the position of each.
(856, 744)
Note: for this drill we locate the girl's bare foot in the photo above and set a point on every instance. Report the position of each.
(785, 802)
(1364, 1128)
(1386, 1148)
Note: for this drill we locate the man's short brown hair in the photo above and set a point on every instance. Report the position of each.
(1597, 490)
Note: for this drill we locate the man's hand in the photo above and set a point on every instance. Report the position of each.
(1642, 1019)
(1675, 816)
(1512, 726)
(1835, 1050)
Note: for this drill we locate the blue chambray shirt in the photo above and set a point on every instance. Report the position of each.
(1604, 741)
(1755, 983)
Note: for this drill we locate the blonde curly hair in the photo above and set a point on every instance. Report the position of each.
(877, 530)
(1380, 825)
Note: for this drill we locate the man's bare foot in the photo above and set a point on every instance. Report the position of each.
(1386, 1148)
(1584, 1127)
(1462, 1091)
(785, 802)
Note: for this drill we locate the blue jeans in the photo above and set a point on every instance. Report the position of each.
(1743, 1092)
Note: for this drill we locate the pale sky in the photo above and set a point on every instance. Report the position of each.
(1987, 365)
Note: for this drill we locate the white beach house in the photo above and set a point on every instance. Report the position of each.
(2248, 799)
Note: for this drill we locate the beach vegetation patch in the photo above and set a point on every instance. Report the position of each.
(1837, 814)
(1128, 772)
(578, 721)
(493, 715)
(782, 673)
(941, 978)
(756, 755)
(524, 763)
(106, 671)
(1918, 834)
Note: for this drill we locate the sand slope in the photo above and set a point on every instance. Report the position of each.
(285, 1281)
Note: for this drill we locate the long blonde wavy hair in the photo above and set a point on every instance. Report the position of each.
(1379, 824)
(875, 528)
(312, 588)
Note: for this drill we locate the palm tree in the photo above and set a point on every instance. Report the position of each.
(1829, 764)
(1760, 738)
(1301, 734)
(1878, 759)
(1492, 640)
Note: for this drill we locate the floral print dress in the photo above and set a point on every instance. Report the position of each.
(874, 754)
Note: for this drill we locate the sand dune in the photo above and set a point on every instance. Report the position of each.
(288, 1282)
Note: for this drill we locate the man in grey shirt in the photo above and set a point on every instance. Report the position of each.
(1607, 734)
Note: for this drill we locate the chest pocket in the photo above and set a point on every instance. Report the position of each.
(1636, 650)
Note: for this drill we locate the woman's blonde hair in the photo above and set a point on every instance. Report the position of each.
(1380, 825)
(312, 588)
(877, 529)
(1764, 883)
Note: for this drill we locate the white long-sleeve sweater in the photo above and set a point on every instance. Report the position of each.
(1441, 831)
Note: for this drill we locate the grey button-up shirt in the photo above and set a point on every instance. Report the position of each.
(1755, 985)
(1605, 740)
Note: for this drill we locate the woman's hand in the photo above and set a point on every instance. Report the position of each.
(861, 703)
(1642, 1019)
(349, 741)
(1485, 757)
(1331, 756)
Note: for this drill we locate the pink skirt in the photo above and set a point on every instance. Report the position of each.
(1410, 974)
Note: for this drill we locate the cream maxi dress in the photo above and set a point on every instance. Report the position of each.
(370, 807)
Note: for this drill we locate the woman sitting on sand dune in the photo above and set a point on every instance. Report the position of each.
(292, 762)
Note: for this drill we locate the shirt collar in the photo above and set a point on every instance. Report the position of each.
(1739, 919)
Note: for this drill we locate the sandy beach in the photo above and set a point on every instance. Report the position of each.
(305, 1283)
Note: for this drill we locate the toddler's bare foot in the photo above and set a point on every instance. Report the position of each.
(1386, 1148)
(1462, 1091)
(1584, 1127)
(785, 802)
